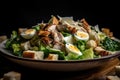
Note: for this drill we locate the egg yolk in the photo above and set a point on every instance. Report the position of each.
(81, 34)
(73, 48)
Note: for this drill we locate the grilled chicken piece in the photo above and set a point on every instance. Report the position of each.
(39, 55)
(85, 25)
(82, 29)
(46, 40)
(91, 44)
(57, 37)
(43, 33)
(101, 51)
(61, 27)
(25, 45)
(54, 20)
(51, 28)
(59, 46)
(67, 28)
(72, 30)
(94, 36)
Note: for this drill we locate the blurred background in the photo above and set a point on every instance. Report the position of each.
(26, 14)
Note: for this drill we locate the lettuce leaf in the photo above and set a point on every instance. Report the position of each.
(88, 54)
(72, 56)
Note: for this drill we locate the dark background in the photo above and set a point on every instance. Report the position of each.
(26, 14)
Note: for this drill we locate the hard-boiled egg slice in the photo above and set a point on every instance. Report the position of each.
(80, 35)
(29, 33)
(69, 39)
(73, 49)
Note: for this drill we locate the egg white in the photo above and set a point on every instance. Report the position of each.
(73, 49)
(29, 33)
(80, 35)
(69, 39)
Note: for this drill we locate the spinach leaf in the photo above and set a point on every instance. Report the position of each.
(110, 44)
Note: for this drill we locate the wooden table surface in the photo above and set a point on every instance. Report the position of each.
(98, 73)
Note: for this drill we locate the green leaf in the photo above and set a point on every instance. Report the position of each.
(16, 49)
(72, 56)
(81, 45)
(36, 27)
(88, 54)
(55, 51)
(11, 39)
(110, 44)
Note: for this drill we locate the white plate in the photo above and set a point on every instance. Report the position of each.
(61, 65)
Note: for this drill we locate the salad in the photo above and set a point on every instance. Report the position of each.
(62, 38)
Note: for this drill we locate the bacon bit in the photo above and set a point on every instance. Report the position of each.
(85, 25)
(43, 33)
